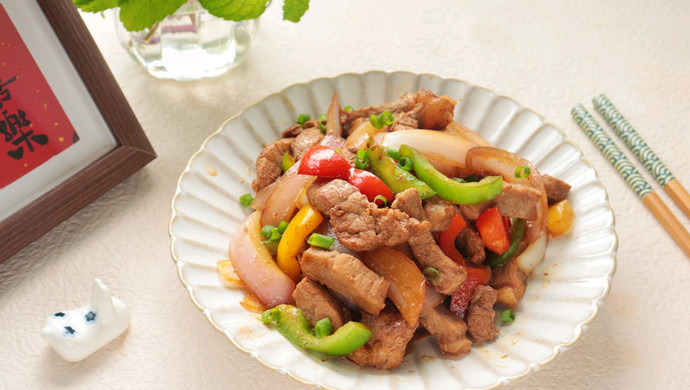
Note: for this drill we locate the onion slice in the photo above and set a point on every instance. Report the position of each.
(283, 201)
(530, 258)
(435, 145)
(463, 131)
(255, 267)
(333, 125)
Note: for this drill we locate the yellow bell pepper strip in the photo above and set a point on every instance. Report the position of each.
(517, 231)
(303, 223)
(292, 324)
(396, 178)
(560, 218)
(449, 189)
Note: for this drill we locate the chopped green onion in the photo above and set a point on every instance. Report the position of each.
(393, 153)
(405, 163)
(287, 162)
(362, 161)
(303, 118)
(246, 199)
(507, 316)
(266, 230)
(431, 274)
(271, 245)
(323, 327)
(347, 108)
(387, 118)
(322, 123)
(522, 172)
(321, 241)
(383, 119)
(275, 234)
(381, 199)
(282, 226)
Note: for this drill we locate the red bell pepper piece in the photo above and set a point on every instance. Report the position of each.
(493, 230)
(460, 300)
(324, 162)
(370, 185)
(476, 276)
(446, 239)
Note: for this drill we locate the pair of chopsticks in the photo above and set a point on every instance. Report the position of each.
(647, 157)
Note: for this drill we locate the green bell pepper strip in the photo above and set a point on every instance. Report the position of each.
(292, 324)
(396, 178)
(517, 231)
(449, 189)
(287, 162)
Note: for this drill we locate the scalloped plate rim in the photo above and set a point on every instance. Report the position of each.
(532, 367)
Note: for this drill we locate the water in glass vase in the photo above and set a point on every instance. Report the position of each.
(190, 44)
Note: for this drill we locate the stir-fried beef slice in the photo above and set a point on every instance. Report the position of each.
(509, 281)
(316, 303)
(361, 226)
(386, 347)
(436, 112)
(439, 212)
(305, 140)
(293, 131)
(348, 276)
(471, 245)
(480, 317)
(326, 195)
(518, 201)
(405, 103)
(448, 329)
(269, 163)
(556, 189)
(514, 201)
(406, 120)
(424, 248)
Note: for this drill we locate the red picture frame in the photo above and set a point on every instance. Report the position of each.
(131, 152)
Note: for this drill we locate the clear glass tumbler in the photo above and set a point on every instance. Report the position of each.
(190, 44)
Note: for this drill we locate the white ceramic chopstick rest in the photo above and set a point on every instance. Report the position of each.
(76, 334)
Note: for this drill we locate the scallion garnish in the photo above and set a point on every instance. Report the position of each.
(383, 119)
(322, 123)
(362, 161)
(303, 118)
(246, 199)
(522, 172)
(282, 226)
(266, 230)
(323, 328)
(431, 274)
(321, 241)
(380, 200)
(347, 108)
(405, 163)
(507, 316)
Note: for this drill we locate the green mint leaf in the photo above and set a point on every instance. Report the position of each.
(95, 5)
(235, 9)
(140, 14)
(294, 9)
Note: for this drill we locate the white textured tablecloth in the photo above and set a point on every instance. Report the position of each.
(547, 55)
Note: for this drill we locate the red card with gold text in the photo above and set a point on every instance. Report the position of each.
(33, 126)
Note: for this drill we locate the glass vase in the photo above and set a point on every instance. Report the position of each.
(190, 44)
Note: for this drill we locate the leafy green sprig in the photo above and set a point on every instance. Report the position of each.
(140, 14)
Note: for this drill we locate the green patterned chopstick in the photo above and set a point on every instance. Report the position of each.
(631, 175)
(643, 152)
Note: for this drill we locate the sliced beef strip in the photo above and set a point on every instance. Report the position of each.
(480, 317)
(359, 224)
(269, 163)
(348, 276)
(386, 347)
(316, 303)
(514, 201)
(406, 120)
(305, 140)
(294, 130)
(424, 248)
(439, 212)
(509, 281)
(556, 189)
(405, 103)
(448, 329)
(471, 245)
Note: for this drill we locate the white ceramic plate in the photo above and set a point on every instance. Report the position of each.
(563, 296)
